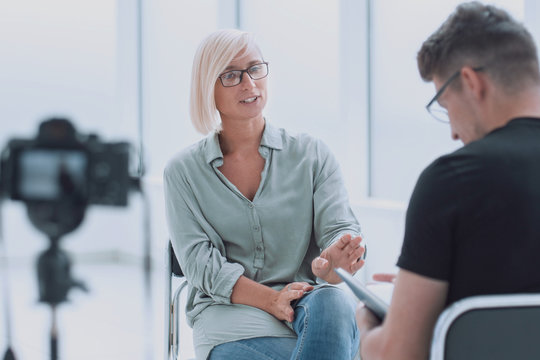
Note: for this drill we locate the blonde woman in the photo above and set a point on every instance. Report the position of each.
(258, 220)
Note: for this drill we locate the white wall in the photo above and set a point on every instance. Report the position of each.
(60, 58)
(80, 60)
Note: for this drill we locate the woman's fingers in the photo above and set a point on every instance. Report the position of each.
(299, 286)
(357, 253)
(320, 266)
(354, 244)
(357, 266)
(344, 241)
(293, 295)
(289, 293)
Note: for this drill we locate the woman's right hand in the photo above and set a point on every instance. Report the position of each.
(280, 303)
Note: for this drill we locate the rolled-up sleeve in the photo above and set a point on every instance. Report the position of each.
(333, 216)
(201, 257)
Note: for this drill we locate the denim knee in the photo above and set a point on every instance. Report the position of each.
(325, 325)
(330, 304)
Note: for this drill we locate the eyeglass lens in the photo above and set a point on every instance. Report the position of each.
(438, 112)
(234, 77)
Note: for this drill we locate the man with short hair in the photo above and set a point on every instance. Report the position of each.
(473, 222)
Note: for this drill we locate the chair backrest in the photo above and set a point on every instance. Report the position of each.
(175, 266)
(489, 327)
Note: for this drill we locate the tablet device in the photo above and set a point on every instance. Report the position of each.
(371, 301)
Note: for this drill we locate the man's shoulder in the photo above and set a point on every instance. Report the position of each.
(489, 160)
(509, 140)
(450, 172)
(474, 156)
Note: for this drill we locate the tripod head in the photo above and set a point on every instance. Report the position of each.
(54, 275)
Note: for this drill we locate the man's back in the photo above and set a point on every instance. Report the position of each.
(474, 217)
(473, 222)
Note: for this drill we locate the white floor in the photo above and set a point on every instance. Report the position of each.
(113, 321)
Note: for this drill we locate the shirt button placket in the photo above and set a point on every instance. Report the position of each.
(258, 261)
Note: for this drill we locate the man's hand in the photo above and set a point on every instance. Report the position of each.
(280, 304)
(365, 319)
(346, 253)
(385, 277)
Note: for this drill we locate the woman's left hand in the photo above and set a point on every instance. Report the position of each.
(346, 253)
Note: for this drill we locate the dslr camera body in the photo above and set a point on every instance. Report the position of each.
(62, 165)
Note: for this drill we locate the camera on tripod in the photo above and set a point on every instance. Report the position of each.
(57, 175)
(62, 165)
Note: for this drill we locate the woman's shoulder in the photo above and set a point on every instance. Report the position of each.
(301, 140)
(187, 158)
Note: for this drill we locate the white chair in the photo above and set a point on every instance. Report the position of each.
(490, 327)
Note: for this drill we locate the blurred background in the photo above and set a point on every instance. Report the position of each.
(342, 70)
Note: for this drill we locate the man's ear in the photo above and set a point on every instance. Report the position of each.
(473, 83)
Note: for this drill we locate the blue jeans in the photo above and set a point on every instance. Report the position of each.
(325, 325)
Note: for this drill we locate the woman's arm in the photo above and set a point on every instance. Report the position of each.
(201, 259)
(336, 228)
(277, 303)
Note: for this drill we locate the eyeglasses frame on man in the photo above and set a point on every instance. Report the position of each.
(441, 91)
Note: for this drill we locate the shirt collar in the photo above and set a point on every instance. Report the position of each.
(271, 138)
(213, 150)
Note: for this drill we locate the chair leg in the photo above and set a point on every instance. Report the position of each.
(167, 307)
(174, 335)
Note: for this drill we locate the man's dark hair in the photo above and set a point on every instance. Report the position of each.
(481, 35)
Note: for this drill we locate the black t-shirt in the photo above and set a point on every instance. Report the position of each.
(474, 216)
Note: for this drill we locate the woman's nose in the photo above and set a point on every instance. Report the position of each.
(247, 82)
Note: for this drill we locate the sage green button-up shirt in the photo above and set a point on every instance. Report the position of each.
(301, 207)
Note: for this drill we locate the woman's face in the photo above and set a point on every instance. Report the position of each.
(246, 100)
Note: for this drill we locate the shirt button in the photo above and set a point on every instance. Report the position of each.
(256, 227)
(251, 205)
(259, 248)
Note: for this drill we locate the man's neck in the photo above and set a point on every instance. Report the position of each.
(523, 104)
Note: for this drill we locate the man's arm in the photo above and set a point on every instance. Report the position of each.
(406, 333)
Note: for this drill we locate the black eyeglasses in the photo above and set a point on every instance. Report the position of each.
(434, 108)
(234, 77)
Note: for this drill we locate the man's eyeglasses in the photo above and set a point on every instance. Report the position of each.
(434, 108)
(234, 77)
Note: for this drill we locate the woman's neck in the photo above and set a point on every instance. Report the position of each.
(241, 136)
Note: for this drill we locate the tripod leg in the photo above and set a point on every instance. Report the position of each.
(54, 335)
(9, 355)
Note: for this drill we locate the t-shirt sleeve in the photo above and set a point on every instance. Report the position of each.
(427, 247)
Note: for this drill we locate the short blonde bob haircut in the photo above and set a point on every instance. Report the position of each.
(214, 54)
